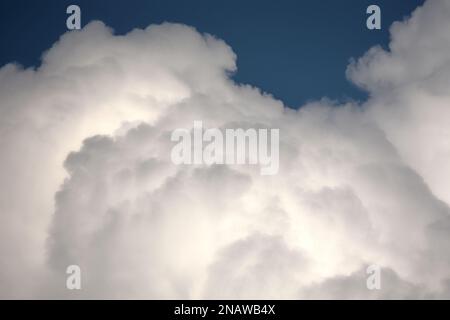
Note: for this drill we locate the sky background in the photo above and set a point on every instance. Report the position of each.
(87, 176)
(296, 50)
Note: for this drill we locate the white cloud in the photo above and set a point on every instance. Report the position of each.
(357, 185)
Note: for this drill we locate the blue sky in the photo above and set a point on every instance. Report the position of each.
(296, 50)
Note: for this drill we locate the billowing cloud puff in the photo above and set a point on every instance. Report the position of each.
(87, 176)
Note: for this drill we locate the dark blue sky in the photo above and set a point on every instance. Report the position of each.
(296, 50)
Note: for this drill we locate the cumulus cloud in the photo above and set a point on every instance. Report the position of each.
(87, 177)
